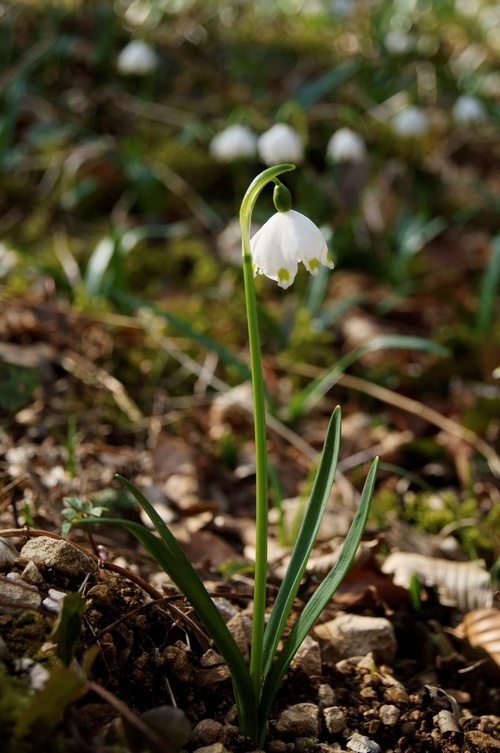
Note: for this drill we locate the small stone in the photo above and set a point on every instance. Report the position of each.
(277, 746)
(54, 600)
(169, 722)
(356, 635)
(8, 554)
(215, 748)
(299, 720)
(206, 732)
(335, 720)
(308, 657)
(389, 714)
(326, 695)
(16, 595)
(31, 574)
(211, 675)
(211, 659)
(60, 555)
(178, 663)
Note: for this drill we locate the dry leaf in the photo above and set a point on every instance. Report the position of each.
(466, 585)
(481, 628)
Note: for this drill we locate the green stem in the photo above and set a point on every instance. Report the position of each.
(259, 407)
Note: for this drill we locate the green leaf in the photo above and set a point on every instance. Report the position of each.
(305, 540)
(68, 627)
(487, 298)
(47, 707)
(170, 556)
(320, 597)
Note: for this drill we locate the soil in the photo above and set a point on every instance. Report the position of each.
(141, 644)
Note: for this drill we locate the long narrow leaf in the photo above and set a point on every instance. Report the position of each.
(312, 394)
(169, 555)
(305, 540)
(320, 597)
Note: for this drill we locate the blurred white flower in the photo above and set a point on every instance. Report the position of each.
(468, 109)
(346, 146)
(286, 239)
(397, 42)
(281, 143)
(410, 122)
(137, 59)
(234, 142)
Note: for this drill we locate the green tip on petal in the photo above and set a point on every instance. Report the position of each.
(283, 275)
(313, 264)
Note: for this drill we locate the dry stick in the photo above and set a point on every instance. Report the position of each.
(429, 414)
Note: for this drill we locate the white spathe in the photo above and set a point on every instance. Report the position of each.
(234, 142)
(346, 146)
(281, 143)
(286, 239)
(137, 59)
(468, 109)
(410, 122)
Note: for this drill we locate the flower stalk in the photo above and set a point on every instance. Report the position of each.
(260, 432)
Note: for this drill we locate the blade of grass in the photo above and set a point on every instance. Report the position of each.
(320, 597)
(312, 394)
(305, 540)
(488, 291)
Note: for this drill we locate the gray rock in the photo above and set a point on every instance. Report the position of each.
(299, 720)
(206, 732)
(308, 657)
(334, 719)
(355, 635)
(215, 748)
(8, 554)
(15, 595)
(31, 574)
(389, 714)
(60, 555)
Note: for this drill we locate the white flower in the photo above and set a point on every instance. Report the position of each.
(281, 143)
(397, 42)
(410, 122)
(286, 239)
(234, 142)
(137, 59)
(346, 146)
(468, 109)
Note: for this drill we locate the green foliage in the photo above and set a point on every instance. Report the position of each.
(75, 509)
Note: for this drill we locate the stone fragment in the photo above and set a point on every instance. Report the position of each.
(334, 719)
(299, 720)
(356, 635)
(8, 554)
(215, 748)
(326, 696)
(31, 574)
(16, 595)
(389, 714)
(59, 555)
(308, 657)
(206, 732)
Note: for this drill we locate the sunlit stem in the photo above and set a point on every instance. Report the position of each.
(259, 407)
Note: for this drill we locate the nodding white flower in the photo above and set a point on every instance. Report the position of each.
(468, 109)
(234, 142)
(397, 42)
(137, 59)
(410, 122)
(346, 146)
(286, 239)
(281, 143)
